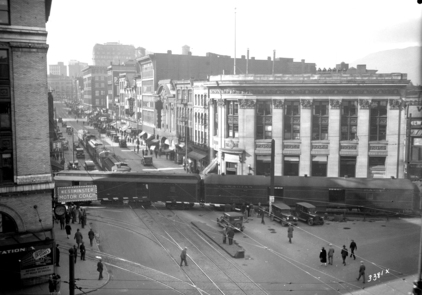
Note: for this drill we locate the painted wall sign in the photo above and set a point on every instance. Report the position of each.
(77, 193)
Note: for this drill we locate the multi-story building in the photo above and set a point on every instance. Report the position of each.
(26, 185)
(113, 92)
(75, 68)
(413, 147)
(112, 52)
(127, 102)
(59, 70)
(95, 87)
(62, 87)
(329, 124)
(162, 66)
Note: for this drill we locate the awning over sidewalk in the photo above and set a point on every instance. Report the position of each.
(150, 137)
(155, 141)
(152, 147)
(167, 142)
(181, 145)
(142, 133)
(196, 155)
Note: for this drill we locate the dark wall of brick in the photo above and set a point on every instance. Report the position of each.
(31, 132)
(29, 13)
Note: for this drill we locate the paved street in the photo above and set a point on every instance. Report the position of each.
(145, 244)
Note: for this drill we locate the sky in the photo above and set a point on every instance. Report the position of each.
(325, 32)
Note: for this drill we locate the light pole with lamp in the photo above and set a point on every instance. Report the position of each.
(185, 120)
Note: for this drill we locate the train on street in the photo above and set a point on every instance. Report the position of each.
(185, 190)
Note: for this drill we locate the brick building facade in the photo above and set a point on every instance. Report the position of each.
(26, 186)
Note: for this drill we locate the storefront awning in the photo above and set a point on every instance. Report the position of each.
(152, 147)
(150, 136)
(167, 142)
(181, 145)
(319, 159)
(291, 159)
(155, 141)
(142, 133)
(196, 155)
(169, 150)
(129, 130)
(124, 127)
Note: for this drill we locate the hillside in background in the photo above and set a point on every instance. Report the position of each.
(406, 60)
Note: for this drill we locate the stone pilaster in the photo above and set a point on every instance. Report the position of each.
(247, 126)
(393, 130)
(278, 125)
(333, 136)
(363, 135)
(305, 137)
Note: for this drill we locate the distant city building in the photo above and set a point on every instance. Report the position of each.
(76, 67)
(329, 124)
(26, 184)
(59, 70)
(95, 87)
(62, 87)
(176, 67)
(112, 52)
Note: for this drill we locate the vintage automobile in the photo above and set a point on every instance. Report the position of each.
(146, 160)
(73, 165)
(232, 219)
(65, 145)
(282, 213)
(122, 143)
(60, 120)
(64, 124)
(80, 153)
(89, 165)
(307, 212)
(121, 167)
(69, 130)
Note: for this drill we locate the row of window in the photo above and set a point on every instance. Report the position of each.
(6, 135)
(319, 168)
(320, 120)
(200, 99)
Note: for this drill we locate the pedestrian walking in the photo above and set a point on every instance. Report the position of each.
(57, 255)
(91, 236)
(68, 230)
(51, 284)
(323, 256)
(248, 208)
(262, 215)
(183, 256)
(61, 218)
(252, 210)
(290, 232)
(79, 212)
(67, 218)
(75, 253)
(330, 254)
(58, 284)
(82, 218)
(230, 234)
(344, 254)
(78, 237)
(224, 234)
(155, 152)
(137, 148)
(73, 213)
(353, 247)
(143, 152)
(100, 269)
(83, 250)
(362, 269)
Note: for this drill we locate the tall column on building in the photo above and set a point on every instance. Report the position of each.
(305, 137)
(211, 127)
(221, 131)
(393, 130)
(247, 125)
(278, 125)
(363, 136)
(333, 136)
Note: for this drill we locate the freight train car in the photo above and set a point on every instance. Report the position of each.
(176, 190)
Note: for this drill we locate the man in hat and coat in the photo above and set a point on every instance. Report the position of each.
(183, 256)
(290, 232)
(323, 256)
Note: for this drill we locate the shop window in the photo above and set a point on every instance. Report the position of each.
(6, 167)
(320, 120)
(263, 165)
(378, 121)
(292, 120)
(376, 167)
(231, 168)
(349, 120)
(319, 166)
(291, 166)
(347, 166)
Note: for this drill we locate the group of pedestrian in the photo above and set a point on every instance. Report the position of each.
(228, 232)
(344, 254)
(80, 246)
(54, 284)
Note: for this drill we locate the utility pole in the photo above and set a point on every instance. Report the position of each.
(272, 176)
(71, 272)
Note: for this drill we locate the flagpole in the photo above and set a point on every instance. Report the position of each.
(234, 67)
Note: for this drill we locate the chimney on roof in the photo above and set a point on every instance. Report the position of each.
(253, 58)
(242, 57)
(168, 51)
(361, 69)
(185, 50)
(247, 61)
(269, 58)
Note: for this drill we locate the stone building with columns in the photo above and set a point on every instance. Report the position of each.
(329, 124)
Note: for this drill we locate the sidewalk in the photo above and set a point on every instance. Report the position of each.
(86, 274)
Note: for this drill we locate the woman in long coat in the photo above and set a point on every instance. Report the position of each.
(323, 256)
(290, 232)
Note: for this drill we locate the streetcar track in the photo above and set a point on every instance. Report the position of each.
(208, 257)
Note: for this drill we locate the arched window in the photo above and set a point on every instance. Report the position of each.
(8, 223)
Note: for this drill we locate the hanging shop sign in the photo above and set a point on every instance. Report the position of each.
(77, 193)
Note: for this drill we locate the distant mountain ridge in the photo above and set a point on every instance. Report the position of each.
(406, 60)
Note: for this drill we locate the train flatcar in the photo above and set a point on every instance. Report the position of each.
(176, 190)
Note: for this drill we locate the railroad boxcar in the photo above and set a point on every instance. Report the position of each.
(176, 190)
